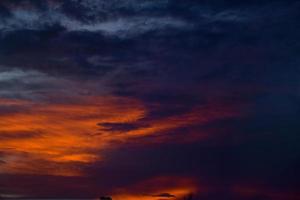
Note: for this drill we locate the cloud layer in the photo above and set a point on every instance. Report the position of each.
(149, 99)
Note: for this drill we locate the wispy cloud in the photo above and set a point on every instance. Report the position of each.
(116, 26)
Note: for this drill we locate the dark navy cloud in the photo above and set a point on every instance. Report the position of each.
(159, 45)
(124, 127)
(232, 44)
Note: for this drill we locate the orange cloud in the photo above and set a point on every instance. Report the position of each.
(64, 132)
(58, 138)
(158, 188)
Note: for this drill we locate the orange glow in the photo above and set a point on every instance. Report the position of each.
(177, 187)
(59, 132)
(50, 138)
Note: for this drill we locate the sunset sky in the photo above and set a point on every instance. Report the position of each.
(150, 99)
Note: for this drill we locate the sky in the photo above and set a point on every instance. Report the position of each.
(150, 100)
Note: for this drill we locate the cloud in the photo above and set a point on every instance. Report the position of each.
(121, 19)
(165, 195)
(123, 27)
(19, 136)
(176, 185)
(27, 84)
(119, 127)
(63, 140)
(130, 27)
(80, 129)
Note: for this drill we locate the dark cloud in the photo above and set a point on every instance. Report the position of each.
(123, 127)
(166, 195)
(19, 136)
